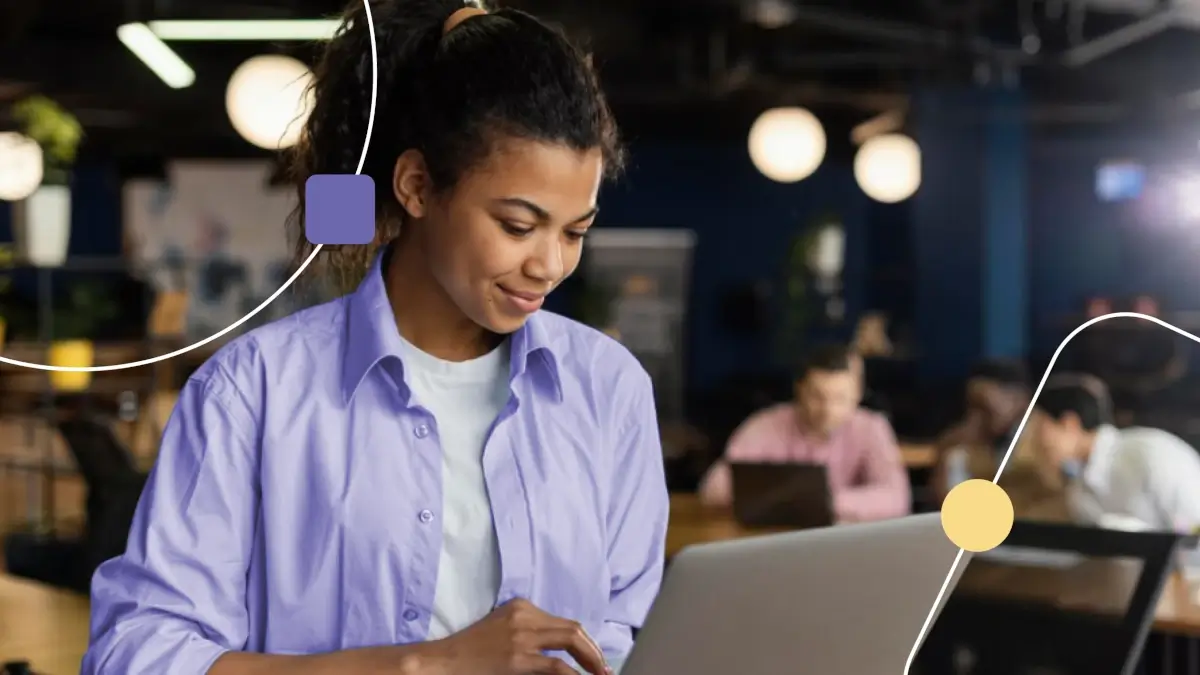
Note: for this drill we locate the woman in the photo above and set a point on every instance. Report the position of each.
(427, 475)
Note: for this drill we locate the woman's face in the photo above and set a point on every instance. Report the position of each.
(510, 231)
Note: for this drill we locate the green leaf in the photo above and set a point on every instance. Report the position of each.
(55, 129)
(797, 309)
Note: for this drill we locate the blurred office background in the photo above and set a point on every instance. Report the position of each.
(940, 181)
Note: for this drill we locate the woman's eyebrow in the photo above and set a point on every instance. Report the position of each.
(540, 213)
(537, 211)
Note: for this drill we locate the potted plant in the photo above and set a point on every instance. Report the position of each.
(797, 301)
(42, 222)
(73, 331)
(811, 277)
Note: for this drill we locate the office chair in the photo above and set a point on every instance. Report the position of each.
(114, 485)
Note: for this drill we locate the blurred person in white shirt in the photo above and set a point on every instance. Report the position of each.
(1132, 478)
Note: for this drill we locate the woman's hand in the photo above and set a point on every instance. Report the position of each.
(512, 641)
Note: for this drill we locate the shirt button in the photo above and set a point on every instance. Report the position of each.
(421, 431)
(410, 615)
(426, 516)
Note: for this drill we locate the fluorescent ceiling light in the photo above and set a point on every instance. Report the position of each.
(295, 29)
(158, 57)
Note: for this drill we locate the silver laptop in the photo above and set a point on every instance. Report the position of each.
(845, 600)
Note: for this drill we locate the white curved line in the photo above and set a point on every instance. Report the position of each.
(1016, 437)
(263, 305)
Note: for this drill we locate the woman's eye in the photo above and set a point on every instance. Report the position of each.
(514, 229)
(575, 236)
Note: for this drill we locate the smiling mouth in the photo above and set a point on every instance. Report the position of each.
(525, 302)
(531, 297)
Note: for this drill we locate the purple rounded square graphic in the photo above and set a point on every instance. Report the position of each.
(339, 209)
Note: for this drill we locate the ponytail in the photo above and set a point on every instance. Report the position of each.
(445, 94)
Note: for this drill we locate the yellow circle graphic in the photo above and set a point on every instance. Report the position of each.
(977, 515)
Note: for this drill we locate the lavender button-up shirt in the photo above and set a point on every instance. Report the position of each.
(294, 507)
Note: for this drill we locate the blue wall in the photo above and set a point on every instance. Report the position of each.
(95, 214)
(1080, 246)
(969, 229)
(1006, 227)
(95, 229)
(744, 222)
(744, 225)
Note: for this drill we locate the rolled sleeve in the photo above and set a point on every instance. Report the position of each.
(637, 524)
(176, 600)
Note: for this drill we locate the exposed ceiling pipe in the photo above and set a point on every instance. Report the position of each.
(871, 59)
(770, 91)
(723, 74)
(906, 34)
(106, 118)
(770, 14)
(955, 11)
(883, 123)
(1123, 37)
(1085, 113)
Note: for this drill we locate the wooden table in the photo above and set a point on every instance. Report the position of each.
(1102, 587)
(42, 625)
(1178, 610)
(693, 523)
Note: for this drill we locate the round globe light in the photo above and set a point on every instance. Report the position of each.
(787, 144)
(888, 168)
(21, 166)
(268, 100)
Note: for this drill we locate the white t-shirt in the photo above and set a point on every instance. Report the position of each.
(465, 399)
(1139, 474)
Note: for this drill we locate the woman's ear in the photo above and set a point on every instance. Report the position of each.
(410, 183)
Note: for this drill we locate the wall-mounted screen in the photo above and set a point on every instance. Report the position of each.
(1120, 181)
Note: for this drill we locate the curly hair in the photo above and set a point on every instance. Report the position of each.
(451, 96)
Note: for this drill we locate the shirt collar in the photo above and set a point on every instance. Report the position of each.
(372, 338)
(1104, 450)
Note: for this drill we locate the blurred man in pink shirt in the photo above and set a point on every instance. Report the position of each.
(824, 425)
